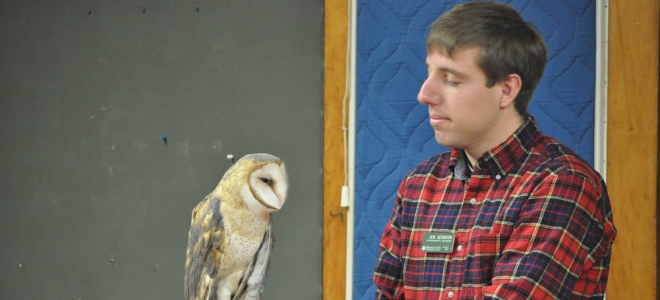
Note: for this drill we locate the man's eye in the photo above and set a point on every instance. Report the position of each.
(451, 83)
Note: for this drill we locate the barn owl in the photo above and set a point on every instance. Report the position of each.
(231, 232)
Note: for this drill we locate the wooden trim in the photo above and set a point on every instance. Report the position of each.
(334, 218)
(632, 156)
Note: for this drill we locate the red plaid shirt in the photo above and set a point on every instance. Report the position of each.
(531, 221)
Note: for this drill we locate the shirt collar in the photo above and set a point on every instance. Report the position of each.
(500, 160)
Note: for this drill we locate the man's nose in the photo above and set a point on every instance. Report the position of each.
(426, 93)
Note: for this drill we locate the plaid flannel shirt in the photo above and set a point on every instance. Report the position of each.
(531, 221)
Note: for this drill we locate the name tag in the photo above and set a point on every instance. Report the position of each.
(438, 242)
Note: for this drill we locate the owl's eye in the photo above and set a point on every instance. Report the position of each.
(266, 180)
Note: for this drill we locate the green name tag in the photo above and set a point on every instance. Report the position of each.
(438, 242)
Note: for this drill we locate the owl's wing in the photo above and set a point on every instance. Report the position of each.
(254, 277)
(204, 253)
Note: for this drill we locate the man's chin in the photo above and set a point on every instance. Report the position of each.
(443, 140)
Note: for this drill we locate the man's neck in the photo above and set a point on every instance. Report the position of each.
(471, 160)
(500, 133)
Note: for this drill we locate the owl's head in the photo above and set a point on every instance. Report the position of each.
(266, 179)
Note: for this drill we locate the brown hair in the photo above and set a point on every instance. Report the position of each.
(508, 44)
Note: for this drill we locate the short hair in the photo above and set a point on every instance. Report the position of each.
(508, 44)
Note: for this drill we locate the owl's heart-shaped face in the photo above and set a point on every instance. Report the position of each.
(269, 185)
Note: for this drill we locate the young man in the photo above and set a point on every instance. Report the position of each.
(508, 213)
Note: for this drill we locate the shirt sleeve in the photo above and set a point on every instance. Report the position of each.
(389, 268)
(561, 239)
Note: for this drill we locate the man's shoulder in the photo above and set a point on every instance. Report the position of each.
(555, 157)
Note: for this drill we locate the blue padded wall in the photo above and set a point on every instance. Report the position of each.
(393, 134)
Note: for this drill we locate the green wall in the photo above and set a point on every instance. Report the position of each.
(93, 204)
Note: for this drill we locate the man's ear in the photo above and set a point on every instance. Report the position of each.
(510, 87)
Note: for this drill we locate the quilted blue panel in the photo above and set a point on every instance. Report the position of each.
(393, 134)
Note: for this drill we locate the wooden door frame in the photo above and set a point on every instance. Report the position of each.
(334, 216)
(632, 146)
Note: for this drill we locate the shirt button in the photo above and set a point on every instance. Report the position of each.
(473, 201)
(459, 248)
(450, 295)
(498, 177)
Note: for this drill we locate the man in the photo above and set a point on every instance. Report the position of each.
(508, 213)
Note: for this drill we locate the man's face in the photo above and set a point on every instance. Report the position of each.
(463, 111)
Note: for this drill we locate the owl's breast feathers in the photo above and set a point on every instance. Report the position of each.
(253, 278)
